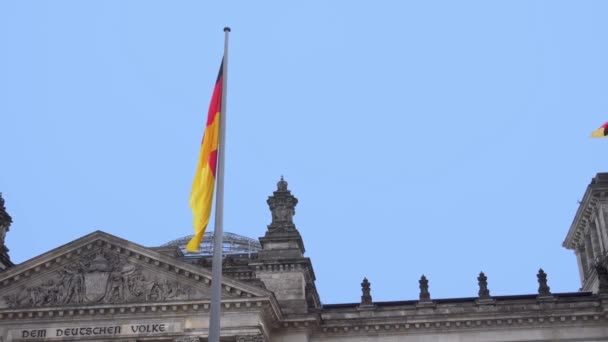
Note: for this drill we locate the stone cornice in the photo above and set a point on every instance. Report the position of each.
(310, 322)
(447, 325)
(139, 310)
(286, 265)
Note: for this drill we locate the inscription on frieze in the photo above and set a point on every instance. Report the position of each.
(99, 277)
(97, 331)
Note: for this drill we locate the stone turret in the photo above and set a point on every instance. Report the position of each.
(282, 239)
(588, 234)
(281, 265)
(5, 223)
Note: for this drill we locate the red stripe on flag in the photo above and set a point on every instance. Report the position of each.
(216, 102)
(213, 161)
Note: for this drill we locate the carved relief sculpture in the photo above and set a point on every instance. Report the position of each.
(100, 277)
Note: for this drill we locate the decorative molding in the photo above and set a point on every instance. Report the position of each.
(280, 267)
(152, 309)
(471, 324)
(188, 339)
(251, 338)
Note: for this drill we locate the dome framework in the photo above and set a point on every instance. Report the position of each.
(232, 244)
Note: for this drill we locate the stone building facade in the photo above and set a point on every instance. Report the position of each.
(103, 288)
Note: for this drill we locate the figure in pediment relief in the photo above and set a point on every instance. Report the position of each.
(44, 294)
(16, 299)
(143, 289)
(73, 283)
(115, 289)
(36, 298)
(170, 291)
(127, 272)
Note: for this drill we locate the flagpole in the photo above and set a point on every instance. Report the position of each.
(218, 231)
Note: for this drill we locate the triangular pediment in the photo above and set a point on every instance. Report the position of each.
(100, 268)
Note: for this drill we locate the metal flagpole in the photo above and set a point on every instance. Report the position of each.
(218, 231)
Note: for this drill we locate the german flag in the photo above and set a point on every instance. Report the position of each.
(601, 132)
(201, 196)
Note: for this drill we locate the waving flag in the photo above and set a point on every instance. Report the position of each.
(601, 132)
(201, 196)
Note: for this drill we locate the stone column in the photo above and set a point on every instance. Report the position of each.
(583, 253)
(595, 241)
(601, 225)
(588, 251)
(582, 267)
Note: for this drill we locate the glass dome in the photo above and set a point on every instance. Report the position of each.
(232, 244)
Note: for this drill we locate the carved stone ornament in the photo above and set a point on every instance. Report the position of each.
(282, 206)
(484, 292)
(99, 277)
(250, 338)
(188, 339)
(366, 297)
(425, 295)
(543, 289)
(5, 220)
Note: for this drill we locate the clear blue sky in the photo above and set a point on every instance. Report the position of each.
(435, 137)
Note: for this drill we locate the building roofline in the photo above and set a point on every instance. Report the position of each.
(459, 300)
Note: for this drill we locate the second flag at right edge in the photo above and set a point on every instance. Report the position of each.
(601, 132)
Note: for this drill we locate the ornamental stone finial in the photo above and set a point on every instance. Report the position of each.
(282, 206)
(543, 289)
(366, 298)
(425, 296)
(282, 184)
(484, 293)
(5, 221)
